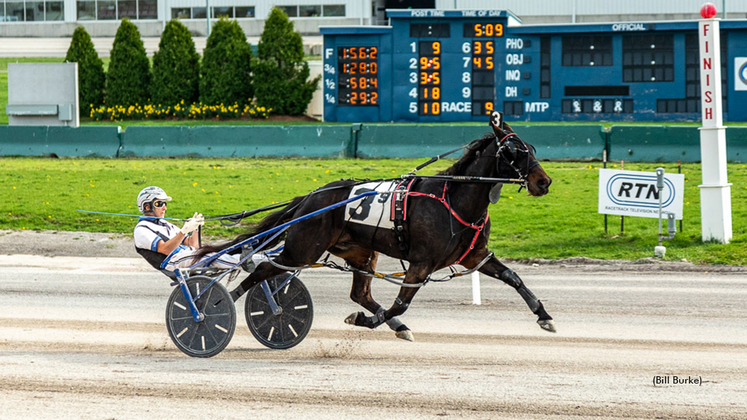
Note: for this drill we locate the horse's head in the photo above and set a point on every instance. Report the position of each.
(514, 157)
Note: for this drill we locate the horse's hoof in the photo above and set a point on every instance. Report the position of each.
(405, 335)
(351, 318)
(547, 325)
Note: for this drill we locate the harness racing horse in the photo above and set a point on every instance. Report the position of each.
(446, 223)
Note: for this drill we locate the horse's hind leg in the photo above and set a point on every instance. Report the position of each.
(360, 292)
(496, 269)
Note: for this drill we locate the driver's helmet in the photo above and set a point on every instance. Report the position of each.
(148, 194)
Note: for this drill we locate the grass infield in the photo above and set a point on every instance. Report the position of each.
(44, 194)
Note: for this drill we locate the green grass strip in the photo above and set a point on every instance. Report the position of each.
(44, 194)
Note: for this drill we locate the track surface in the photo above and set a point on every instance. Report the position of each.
(85, 338)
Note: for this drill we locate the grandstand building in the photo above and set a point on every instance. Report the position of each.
(59, 18)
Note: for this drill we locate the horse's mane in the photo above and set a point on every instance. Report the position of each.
(469, 155)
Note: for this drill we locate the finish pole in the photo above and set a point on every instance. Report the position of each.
(715, 191)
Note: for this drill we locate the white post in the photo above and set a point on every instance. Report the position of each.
(715, 192)
(476, 300)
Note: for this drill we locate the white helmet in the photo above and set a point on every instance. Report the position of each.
(148, 194)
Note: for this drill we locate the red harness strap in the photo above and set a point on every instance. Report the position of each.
(442, 199)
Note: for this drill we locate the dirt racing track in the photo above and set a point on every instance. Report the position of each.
(85, 338)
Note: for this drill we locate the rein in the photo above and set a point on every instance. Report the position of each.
(522, 180)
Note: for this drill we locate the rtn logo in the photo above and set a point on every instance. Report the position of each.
(627, 187)
(638, 190)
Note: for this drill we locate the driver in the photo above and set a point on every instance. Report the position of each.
(166, 246)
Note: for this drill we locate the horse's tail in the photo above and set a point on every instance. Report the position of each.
(273, 219)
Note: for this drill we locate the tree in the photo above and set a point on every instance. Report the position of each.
(128, 78)
(226, 66)
(91, 76)
(176, 67)
(280, 76)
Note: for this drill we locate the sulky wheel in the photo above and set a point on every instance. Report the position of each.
(209, 336)
(288, 328)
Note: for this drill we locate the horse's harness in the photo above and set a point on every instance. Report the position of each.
(402, 192)
(399, 213)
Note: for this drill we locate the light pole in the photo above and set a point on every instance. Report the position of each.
(207, 13)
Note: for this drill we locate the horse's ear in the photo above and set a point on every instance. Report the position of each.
(507, 128)
(496, 122)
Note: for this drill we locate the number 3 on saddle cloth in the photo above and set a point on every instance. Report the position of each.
(387, 209)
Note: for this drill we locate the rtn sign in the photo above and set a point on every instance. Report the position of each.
(630, 193)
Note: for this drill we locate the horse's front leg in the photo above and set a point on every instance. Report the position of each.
(496, 269)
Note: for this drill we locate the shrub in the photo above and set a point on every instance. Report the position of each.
(280, 76)
(226, 66)
(128, 78)
(91, 77)
(176, 67)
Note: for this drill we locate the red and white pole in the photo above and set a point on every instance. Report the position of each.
(715, 192)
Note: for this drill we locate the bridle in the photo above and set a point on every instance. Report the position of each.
(504, 145)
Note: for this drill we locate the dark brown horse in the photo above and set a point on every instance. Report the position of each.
(446, 223)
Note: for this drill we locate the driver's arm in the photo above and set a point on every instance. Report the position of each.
(193, 240)
(192, 224)
(167, 247)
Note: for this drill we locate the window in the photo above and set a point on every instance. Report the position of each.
(587, 51)
(148, 9)
(55, 10)
(244, 12)
(333, 10)
(127, 9)
(309, 11)
(34, 11)
(181, 13)
(31, 11)
(106, 9)
(198, 13)
(648, 58)
(14, 12)
(231, 12)
(87, 10)
(222, 12)
(291, 11)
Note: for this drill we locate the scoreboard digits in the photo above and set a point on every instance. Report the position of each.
(429, 78)
(483, 30)
(427, 66)
(483, 76)
(358, 80)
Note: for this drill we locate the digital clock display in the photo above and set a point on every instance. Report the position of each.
(483, 30)
(358, 79)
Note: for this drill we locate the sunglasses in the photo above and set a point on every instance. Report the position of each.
(159, 203)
